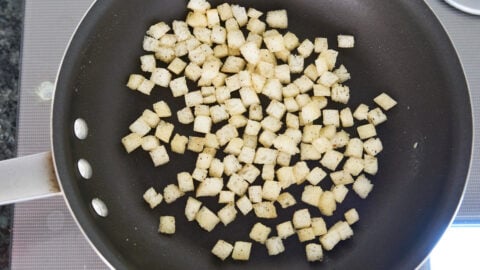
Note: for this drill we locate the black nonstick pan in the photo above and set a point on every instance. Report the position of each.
(401, 49)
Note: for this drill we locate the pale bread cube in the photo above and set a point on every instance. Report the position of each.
(319, 226)
(177, 66)
(291, 41)
(273, 89)
(286, 200)
(330, 57)
(322, 144)
(134, 81)
(161, 77)
(164, 131)
(282, 72)
(331, 117)
(159, 156)
(376, 116)
(204, 160)
(255, 194)
(171, 193)
(222, 249)
(185, 116)
(244, 205)
(256, 26)
(331, 159)
(240, 14)
(353, 166)
(252, 127)
(311, 72)
(211, 141)
(250, 140)
(225, 11)
(285, 229)
(207, 219)
(271, 190)
(193, 99)
(250, 52)
(283, 159)
(327, 204)
(146, 87)
(310, 112)
(362, 186)
(241, 251)
(308, 152)
(227, 214)
(341, 178)
(249, 96)
(216, 168)
(351, 216)
(219, 36)
(234, 147)
(276, 109)
(231, 25)
(165, 54)
(316, 175)
(253, 13)
(343, 229)
(235, 39)
(249, 173)
(340, 93)
(255, 38)
(306, 48)
(361, 113)
(140, 127)
(185, 182)
(303, 100)
(196, 20)
(245, 78)
(342, 74)
(340, 192)
(218, 113)
(366, 131)
(373, 146)
(274, 246)
(222, 93)
(310, 133)
(295, 62)
(212, 18)
(273, 42)
(283, 55)
(271, 123)
(247, 155)
(321, 90)
(328, 79)
(265, 210)
(300, 170)
(295, 134)
(340, 139)
(148, 62)
(152, 197)
(305, 234)
(321, 44)
(178, 143)
(345, 41)
(277, 19)
(292, 120)
(314, 252)
(330, 240)
(265, 69)
(385, 101)
(311, 195)
(370, 164)
(210, 70)
(202, 124)
(150, 44)
(231, 165)
(178, 86)
(162, 109)
(268, 172)
(226, 133)
(267, 138)
(196, 144)
(198, 5)
(259, 233)
(199, 54)
(346, 117)
(233, 83)
(167, 225)
(193, 71)
(158, 30)
(181, 31)
(237, 185)
(226, 196)
(354, 148)
(301, 219)
(265, 156)
(150, 142)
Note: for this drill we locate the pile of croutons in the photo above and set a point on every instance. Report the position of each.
(236, 59)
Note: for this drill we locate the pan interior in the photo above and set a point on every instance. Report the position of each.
(400, 49)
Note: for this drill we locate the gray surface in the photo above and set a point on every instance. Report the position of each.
(48, 25)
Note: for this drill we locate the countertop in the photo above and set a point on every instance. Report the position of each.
(11, 18)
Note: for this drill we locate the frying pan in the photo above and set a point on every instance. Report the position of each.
(401, 48)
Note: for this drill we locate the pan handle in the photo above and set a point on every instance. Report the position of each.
(27, 178)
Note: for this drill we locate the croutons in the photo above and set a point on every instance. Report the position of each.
(222, 249)
(167, 225)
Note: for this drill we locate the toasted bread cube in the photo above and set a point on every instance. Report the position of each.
(273, 42)
(218, 113)
(140, 127)
(330, 57)
(331, 159)
(340, 93)
(162, 109)
(310, 112)
(373, 146)
(265, 210)
(202, 124)
(267, 138)
(341, 178)
(370, 164)
(171, 193)
(219, 36)
(179, 87)
(222, 93)
(271, 190)
(276, 109)
(255, 194)
(300, 171)
(235, 39)
(249, 96)
(328, 79)
(331, 117)
(211, 141)
(134, 81)
(345, 41)
(233, 83)
(343, 229)
(305, 234)
(322, 144)
(283, 159)
(247, 155)
(286, 200)
(285, 176)
(152, 197)
(385, 101)
(314, 252)
(185, 116)
(177, 66)
(271, 123)
(227, 214)
(274, 246)
(340, 192)
(266, 70)
(238, 121)
(321, 90)
(362, 186)
(342, 73)
(158, 30)
(149, 143)
(181, 31)
(253, 13)
(222, 249)
(244, 205)
(231, 165)
(330, 240)
(185, 182)
(366, 131)
(295, 62)
(292, 120)
(159, 156)
(301, 219)
(268, 172)
(277, 19)
(212, 18)
(256, 26)
(226, 133)
(204, 160)
(265, 156)
(250, 52)
(161, 77)
(235, 106)
(306, 48)
(351, 216)
(282, 73)
(207, 219)
(340, 139)
(193, 71)
(150, 44)
(285, 229)
(226, 196)
(327, 204)
(376, 116)
(361, 113)
(255, 38)
(237, 185)
(234, 147)
(167, 225)
(311, 195)
(353, 166)
(319, 227)
(131, 142)
(216, 168)
(196, 144)
(316, 176)
(308, 152)
(311, 72)
(196, 19)
(193, 99)
(241, 251)
(346, 117)
(259, 233)
(354, 148)
(321, 44)
(164, 131)
(249, 173)
(310, 133)
(245, 79)
(290, 41)
(165, 54)
(304, 99)
(199, 54)
(273, 89)
(148, 63)
(240, 14)
(231, 25)
(198, 5)
(225, 11)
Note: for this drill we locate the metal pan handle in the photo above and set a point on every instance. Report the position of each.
(27, 178)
